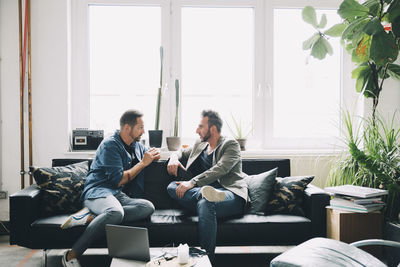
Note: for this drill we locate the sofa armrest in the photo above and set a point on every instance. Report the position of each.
(24, 210)
(315, 201)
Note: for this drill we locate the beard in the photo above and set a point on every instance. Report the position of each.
(207, 136)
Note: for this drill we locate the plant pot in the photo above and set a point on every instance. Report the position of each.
(242, 143)
(155, 138)
(173, 143)
(392, 232)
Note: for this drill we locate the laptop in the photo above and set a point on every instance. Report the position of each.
(128, 242)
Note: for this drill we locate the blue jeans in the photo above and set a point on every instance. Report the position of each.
(208, 212)
(113, 209)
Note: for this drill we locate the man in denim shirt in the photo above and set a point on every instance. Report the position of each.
(120, 160)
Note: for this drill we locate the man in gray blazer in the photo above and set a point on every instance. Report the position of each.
(217, 187)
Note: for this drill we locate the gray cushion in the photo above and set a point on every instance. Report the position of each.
(325, 252)
(260, 187)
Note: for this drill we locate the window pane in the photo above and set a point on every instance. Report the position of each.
(124, 63)
(217, 64)
(306, 94)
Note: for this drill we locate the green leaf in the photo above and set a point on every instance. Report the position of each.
(355, 26)
(369, 89)
(383, 48)
(394, 71)
(328, 46)
(373, 6)
(396, 27)
(323, 22)
(359, 71)
(310, 16)
(363, 49)
(319, 49)
(373, 27)
(349, 9)
(394, 10)
(307, 44)
(336, 30)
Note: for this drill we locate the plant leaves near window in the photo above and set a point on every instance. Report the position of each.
(354, 27)
(363, 49)
(396, 27)
(336, 30)
(373, 27)
(350, 9)
(383, 48)
(394, 71)
(360, 74)
(310, 16)
(307, 44)
(319, 49)
(394, 10)
(323, 22)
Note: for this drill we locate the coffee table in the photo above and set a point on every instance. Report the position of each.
(118, 262)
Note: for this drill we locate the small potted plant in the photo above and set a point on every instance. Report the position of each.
(239, 132)
(155, 136)
(174, 142)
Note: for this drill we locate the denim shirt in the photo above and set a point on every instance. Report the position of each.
(107, 168)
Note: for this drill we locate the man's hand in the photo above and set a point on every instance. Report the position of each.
(172, 167)
(183, 187)
(150, 155)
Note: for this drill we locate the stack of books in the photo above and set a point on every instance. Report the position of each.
(356, 198)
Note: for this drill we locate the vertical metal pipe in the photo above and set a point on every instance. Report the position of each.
(29, 89)
(21, 95)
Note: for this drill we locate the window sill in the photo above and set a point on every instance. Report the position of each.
(248, 154)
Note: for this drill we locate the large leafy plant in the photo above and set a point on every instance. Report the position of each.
(376, 165)
(159, 91)
(370, 33)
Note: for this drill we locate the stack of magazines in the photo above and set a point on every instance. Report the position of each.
(356, 198)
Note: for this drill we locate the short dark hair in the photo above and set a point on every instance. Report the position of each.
(130, 117)
(213, 119)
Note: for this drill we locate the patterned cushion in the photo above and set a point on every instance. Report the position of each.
(287, 196)
(260, 188)
(61, 187)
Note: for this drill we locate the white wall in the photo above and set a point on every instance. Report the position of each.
(49, 86)
(50, 92)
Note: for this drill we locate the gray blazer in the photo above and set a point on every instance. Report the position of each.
(226, 165)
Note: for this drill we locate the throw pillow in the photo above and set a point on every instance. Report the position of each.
(260, 187)
(61, 187)
(287, 196)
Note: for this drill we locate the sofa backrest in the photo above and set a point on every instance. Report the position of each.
(157, 179)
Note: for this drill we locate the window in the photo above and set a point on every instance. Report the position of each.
(242, 58)
(217, 64)
(306, 91)
(124, 62)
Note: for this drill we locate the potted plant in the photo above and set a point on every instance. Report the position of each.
(155, 136)
(239, 133)
(174, 142)
(370, 33)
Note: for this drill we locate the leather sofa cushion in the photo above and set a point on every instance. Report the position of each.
(174, 226)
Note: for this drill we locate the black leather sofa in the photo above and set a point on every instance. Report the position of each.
(169, 224)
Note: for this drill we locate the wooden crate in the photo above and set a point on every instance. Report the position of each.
(349, 227)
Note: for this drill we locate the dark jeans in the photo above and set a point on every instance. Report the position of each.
(208, 212)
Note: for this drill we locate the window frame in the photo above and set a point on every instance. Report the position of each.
(79, 95)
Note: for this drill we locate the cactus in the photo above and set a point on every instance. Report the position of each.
(176, 107)
(158, 106)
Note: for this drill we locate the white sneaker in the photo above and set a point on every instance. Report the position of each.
(72, 263)
(212, 194)
(78, 218)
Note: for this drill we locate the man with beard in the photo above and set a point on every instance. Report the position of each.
(119, 162)
(217, 188)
